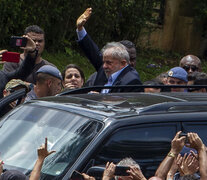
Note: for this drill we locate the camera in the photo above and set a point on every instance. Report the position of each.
(17, 41)
(186, 137)
(121, 171)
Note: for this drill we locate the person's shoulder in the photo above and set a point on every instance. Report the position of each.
(130, 76)
(45, 62)
(11, 66)
(131, 71)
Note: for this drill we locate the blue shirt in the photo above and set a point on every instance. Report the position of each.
(81, 34)
(112, 79)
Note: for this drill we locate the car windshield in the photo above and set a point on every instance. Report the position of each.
(25, 129)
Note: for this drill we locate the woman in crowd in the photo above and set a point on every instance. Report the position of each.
(73, 77)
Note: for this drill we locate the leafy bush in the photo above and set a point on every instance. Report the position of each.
(112, 20)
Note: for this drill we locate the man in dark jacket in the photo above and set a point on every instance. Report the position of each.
(38, 36)
(95, 56)
(24, 70)
(114, 69)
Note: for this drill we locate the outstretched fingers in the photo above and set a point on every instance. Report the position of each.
(83, 18)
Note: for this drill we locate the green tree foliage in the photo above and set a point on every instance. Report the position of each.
(112, 20)
(200, 8)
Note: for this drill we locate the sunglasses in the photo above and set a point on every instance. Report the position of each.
(192, 67)
(193, 89)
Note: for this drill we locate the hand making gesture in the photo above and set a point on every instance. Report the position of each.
(83, 18)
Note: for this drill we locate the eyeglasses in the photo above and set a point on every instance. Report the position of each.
(192, 67)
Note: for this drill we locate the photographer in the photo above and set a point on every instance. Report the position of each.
(24, 70)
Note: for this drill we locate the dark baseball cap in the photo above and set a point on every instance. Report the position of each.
(51, 70)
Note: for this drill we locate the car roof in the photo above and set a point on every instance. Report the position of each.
(116, 105)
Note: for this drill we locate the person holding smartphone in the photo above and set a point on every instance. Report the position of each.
(37, 34)
(24, 70)
(126, 169)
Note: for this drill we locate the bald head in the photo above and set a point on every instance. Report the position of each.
(191, 63)
(155, 178)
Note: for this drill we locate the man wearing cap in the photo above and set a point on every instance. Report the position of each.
(191, 64)
(14, 85)
(177, 76)
(48, 83)
(11, 86)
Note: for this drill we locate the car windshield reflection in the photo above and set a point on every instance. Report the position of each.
(25, 129)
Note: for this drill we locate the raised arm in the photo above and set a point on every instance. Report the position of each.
(85, 42)
(196, 143)
(26, 67)
(176, 146)
(42, 154)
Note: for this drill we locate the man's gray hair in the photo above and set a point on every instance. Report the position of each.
(128, 162)
(116, 50)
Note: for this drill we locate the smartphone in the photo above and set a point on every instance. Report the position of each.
(121, 171)
(76, 176)
(186, 137)
(183, 134)
(11, 57)
(17, 41)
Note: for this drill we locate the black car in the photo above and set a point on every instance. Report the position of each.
(90, 129)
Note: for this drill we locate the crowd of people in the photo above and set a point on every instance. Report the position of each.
(186, 160)
(115, 65)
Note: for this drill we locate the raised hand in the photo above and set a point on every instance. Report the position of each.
(189, 165)
(1, 52)
(83, 18)
(136, 173)
(30, 46)
(195, 141)
(177, 143)
(43, 152)
(109, 171)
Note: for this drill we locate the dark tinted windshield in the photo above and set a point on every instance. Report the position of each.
(24, 131)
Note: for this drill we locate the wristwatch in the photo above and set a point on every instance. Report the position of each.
(31, 86)
(170, 154)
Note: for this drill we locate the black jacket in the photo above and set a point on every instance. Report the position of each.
(21, 73)
(129, 76)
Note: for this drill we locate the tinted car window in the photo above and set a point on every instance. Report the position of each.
(24, 131)
(197, 127)
(147, 144)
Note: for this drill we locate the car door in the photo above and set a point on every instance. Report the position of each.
(199, 127)
(147, 144)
